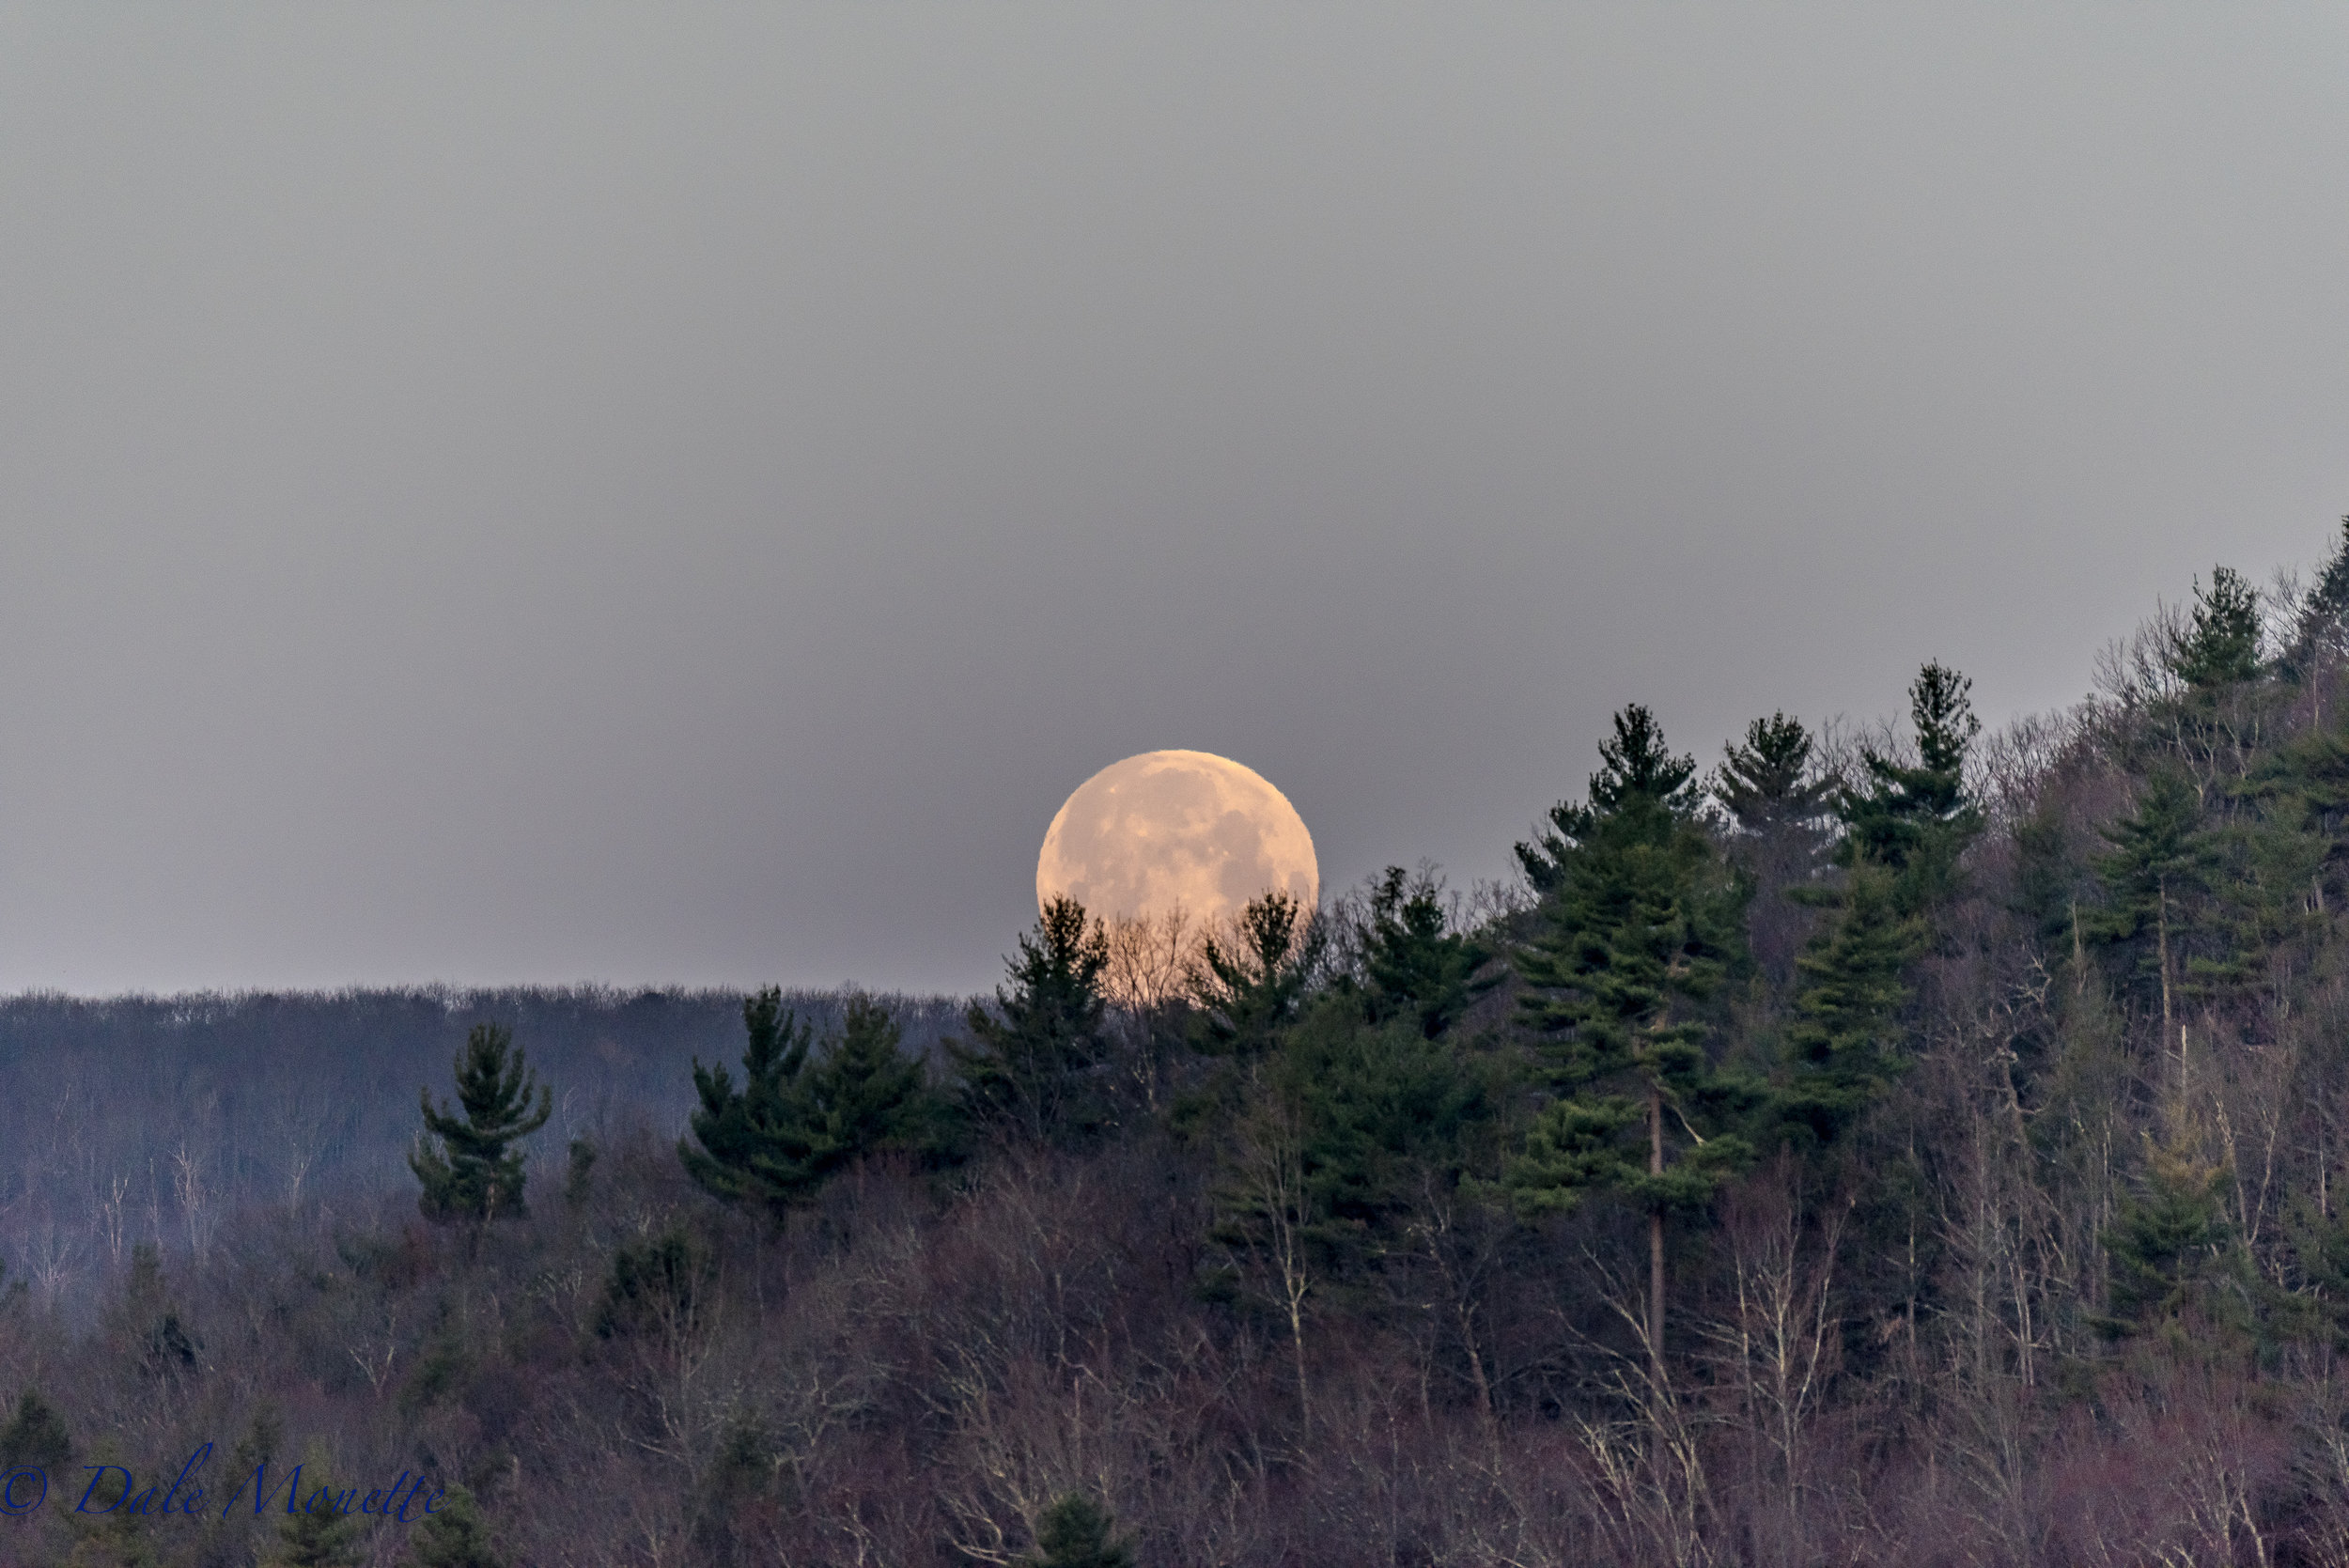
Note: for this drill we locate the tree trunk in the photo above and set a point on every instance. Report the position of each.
(2162, 937)
(1656, 1234)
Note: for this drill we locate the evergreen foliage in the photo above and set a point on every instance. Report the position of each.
(455, 1536)
(1639, 926)
(2170, 1240)
(2221, 645)
(756, 1144)
(1917, 818)
(1076, 1532)
(1413, 964)
(1033, 1064)
(1766, 782)
(34, 1437)
(318, 1534)
(798, 1120)
(1375, 1118)
(654, 1283)
(2155, 862)
(476, 1173)
(1249, 988)
(1843, 1045)
(866, 1095)
(1634, 764)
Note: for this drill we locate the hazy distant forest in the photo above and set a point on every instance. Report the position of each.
(1893, 1144)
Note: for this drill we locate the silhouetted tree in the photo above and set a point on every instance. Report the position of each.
(1918, 819)
(1780, 807)
(1766, 782)
(1414, 965)
(1639, 925)
(476, 1173)
(1034, 1062)
(1247, 992)
(798, 1118)
(1634, 763)
(2221, 646)
(757, 1144)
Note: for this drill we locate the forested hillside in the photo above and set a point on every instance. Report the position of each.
(1905, 1145)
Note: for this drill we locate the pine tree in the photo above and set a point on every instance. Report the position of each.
(1075, 1532)
(2221, 645)
(2155, 861)
(319, 1534)
(35, 1437)
(2321, 634)
(476, 1174)
(798, 1119)
(1766, 783)
(1387, 1113)
(455, 1536)
(1633, 763)
(2170, 1242)
(1778, 805)
(2331, 594)
(866, 1093)
(1340, 1134)
(1033, 1062)
(1843, 1045)
(660, 1283)
(757, 1144)
(1640, 925)
(1413, 966)
(1917, 819)
(1247, 993)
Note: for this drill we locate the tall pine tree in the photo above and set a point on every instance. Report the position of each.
(1766, 782)
(476, 1173)
(755, 1143)
(1639, 925)
(799, 1116)
(2154, 866)
(1843, 1044)
(1917, 818)
(866, 1095)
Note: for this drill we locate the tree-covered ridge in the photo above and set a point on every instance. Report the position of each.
(1916, 1148)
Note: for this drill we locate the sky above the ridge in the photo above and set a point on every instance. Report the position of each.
(681, 494)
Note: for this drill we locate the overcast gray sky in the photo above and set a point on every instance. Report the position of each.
(668, 493)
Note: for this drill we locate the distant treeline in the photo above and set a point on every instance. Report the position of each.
(142, 1118)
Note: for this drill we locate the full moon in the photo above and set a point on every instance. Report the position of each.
(1169, 830)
